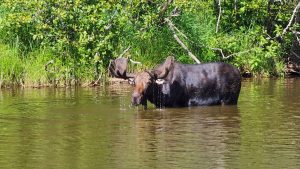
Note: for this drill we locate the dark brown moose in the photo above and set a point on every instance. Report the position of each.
(173, 84)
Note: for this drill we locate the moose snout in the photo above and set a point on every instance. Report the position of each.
(136, 99)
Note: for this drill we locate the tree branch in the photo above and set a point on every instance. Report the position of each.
(98, 80)
(219, 16)
(182, 34)
(221, 51)
(295, 54)
(296, 35)
(134, 62)
(48, 63)
(165, 7)
(291, 20)
(125, 51)
(226, 57)
(172, 28)
(238, 53)
(235, 5)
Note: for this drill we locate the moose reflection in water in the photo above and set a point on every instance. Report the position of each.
(173, 84)
(161, 133)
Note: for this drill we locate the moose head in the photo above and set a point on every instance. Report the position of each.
(142, 80)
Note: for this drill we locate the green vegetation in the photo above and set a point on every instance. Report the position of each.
(76, 39)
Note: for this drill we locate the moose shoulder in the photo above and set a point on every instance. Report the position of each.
(173, 84)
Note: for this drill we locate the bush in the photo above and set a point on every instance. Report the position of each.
(80, 37)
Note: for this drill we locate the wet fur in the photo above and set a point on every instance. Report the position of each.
(191, 85)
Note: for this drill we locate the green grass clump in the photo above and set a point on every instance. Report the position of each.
(11, 66)
(35, 73)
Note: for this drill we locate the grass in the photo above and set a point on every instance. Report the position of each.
(34, 66)
(20, 70)
(11, 66)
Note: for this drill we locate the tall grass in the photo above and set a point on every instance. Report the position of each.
(35, 73)
(11, 66)
(29, 70)
(44, 68)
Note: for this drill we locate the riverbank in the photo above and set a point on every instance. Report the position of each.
(41, 68)
(108, 81)
(115, 82)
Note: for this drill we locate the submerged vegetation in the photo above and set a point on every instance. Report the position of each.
(65, 42)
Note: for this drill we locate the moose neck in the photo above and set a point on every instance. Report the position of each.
(155, 95)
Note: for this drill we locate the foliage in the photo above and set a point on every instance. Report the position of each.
(82, 36)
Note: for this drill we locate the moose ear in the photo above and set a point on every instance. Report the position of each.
(160, 81)
(163, 70)
(131, 81)
(169, 62)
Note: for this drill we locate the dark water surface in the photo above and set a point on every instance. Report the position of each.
(96, 128)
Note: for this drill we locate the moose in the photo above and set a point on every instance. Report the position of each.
(173, 84)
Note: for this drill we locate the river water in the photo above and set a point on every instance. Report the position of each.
(97, 128)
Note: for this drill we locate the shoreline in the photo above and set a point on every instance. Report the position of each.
(112, 81)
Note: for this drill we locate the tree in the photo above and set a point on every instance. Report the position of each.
(294, 59)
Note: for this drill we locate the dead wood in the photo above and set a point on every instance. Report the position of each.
(172, 28)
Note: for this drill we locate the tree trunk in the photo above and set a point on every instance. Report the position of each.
(294, 59)
(271, 18)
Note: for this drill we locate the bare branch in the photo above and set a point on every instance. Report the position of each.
(297, 40)
(175, 12)
(165, 7)
(291, 20)
(48, 63)
(218, 49)
(296, 32)
(235, 5)
(238, 53)
(221, 51)
(97, 81)
(296, 35)
(219, 16)
(226, 57)
(109, 24)
(171, 26)
(293, 71)
(295, 54)
(174, 29)
(134, 62)
(182, 34)
(125, 51)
